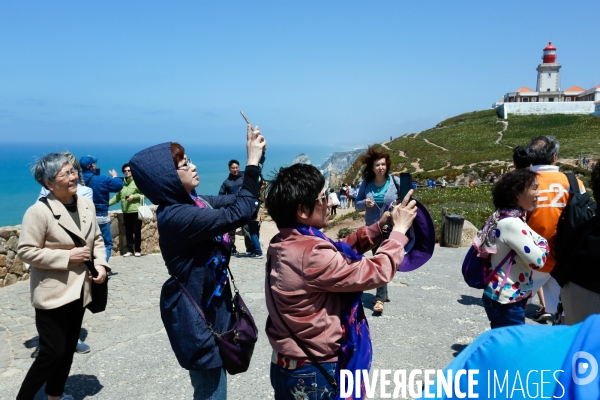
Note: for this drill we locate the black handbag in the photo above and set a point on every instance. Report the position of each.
(99, 290)
(236, 345)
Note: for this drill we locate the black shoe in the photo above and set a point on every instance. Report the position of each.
(257, 256)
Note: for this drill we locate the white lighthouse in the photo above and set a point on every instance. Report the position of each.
(548, 78)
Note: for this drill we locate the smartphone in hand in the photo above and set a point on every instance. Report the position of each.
(405, 185)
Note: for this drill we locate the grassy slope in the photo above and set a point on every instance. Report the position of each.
(470, 140)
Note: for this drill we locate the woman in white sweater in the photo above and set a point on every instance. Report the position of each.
(513, 244)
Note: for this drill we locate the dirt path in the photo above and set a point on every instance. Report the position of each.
(384, 144)
(435, 145)
(501, 133)
(417, 165)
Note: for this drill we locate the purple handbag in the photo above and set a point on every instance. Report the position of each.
(236, 344)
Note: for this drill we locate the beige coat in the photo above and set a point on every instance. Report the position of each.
(45, 245)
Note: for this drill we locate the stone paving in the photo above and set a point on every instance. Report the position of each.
(432, 316)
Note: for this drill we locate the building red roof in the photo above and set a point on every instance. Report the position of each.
(549, 47)
(575, 89)
(523, 90)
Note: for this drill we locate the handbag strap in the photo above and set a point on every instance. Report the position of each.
(90, 266)
(306, 351)
(511, 255)
(196, 306)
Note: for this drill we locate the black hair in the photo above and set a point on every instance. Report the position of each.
(520, 157)
(542, 149)
(297, 185)
(233, 162)
(595, 180)
(126, 165)
(510, 185)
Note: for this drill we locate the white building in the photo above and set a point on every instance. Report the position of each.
(548, 90)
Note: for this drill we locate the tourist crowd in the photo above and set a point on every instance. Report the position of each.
(313, 284)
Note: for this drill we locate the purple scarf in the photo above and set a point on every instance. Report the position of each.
(219, 257)
(356, 351)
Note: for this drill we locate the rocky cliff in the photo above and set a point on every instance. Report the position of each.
(301, 159)
(336, 166)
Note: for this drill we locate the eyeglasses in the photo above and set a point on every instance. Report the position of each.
(323, 199)
(187, 162)
(67, 174)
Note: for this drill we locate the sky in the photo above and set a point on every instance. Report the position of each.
(332, 72)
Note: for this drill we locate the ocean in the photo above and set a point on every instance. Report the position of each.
(18, 189)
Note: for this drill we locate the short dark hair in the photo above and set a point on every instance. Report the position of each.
(510, 185)
(541, 149)
(595, 180)
(297, 185)
(520, 157)
(233, 162)
(369, 158)
(126, 165)
(177, 152)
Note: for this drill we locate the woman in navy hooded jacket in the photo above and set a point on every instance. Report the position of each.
(189, 227)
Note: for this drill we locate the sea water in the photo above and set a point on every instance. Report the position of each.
(18, 189)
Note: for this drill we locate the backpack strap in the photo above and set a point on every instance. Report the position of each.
(573, 184)
(511, 257)
(87, 183)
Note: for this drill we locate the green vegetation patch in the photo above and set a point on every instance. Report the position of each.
(474, 203)
(576, 133)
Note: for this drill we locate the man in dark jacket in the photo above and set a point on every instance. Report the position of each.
(102, 186)
(189, 236)
(231, 185)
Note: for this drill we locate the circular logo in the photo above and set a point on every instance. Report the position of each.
(584, 368)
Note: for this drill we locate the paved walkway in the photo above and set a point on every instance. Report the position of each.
(432, 316)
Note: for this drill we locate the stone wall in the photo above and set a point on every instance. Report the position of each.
(13, 270)
(560, 107)
(149, 234)
(11, 267)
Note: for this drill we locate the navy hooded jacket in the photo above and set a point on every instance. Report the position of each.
(186, 235)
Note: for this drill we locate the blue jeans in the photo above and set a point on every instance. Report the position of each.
(305, 382)
(343, 202)
(209, 384)
(504, 314)
(254, 229)
(107, 236)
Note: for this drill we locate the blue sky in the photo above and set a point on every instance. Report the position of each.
(351, 72)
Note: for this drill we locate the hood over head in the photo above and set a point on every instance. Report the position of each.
(156, 176)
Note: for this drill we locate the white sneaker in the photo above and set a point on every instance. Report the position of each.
(138, 254)
(128, 254)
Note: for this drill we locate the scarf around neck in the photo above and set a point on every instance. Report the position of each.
(485, 241)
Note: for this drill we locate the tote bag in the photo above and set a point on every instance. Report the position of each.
(144, 211)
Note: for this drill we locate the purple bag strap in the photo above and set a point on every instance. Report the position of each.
(511, 254)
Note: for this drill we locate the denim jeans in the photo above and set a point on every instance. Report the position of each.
(254, 228)
(343, 202)
(107, 236)
(504, 314)
(305, 382)
(209, 384)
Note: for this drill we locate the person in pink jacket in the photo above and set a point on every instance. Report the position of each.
(310, 278)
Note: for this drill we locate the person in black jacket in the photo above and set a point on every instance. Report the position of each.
(231, 185)
(579, 273)
(194, 242)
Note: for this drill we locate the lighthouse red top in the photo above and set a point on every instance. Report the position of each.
(549, 54)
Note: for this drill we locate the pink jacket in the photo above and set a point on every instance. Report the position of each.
(307, 275)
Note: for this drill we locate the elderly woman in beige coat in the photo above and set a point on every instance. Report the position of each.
(60, 282)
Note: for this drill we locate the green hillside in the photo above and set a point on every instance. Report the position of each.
(469, 141)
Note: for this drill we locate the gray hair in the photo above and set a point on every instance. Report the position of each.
(47, 167)
(542, 149)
